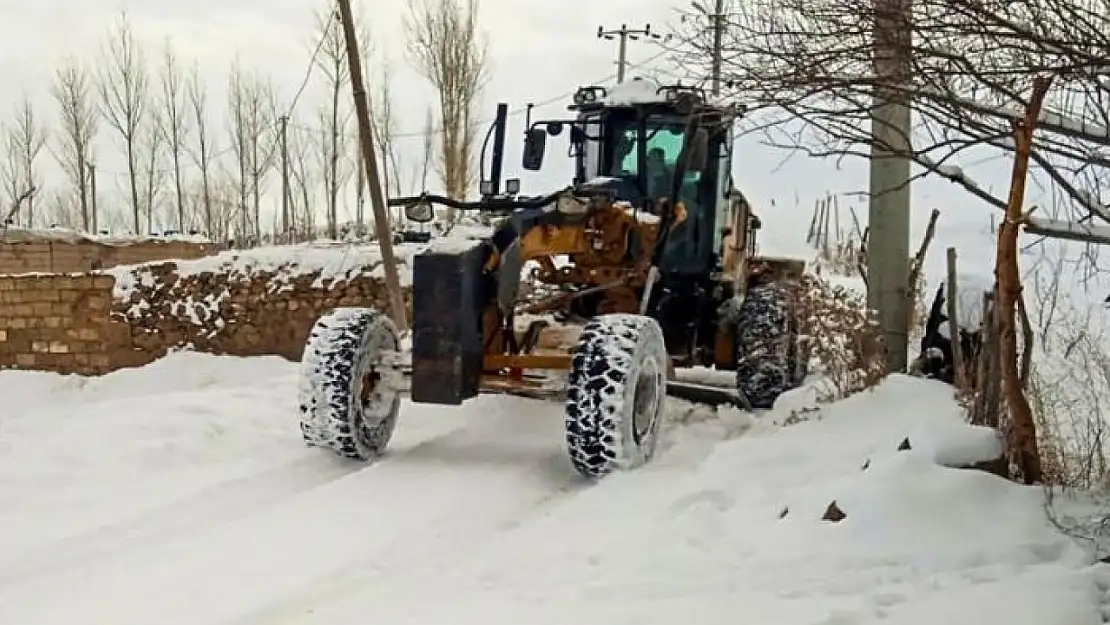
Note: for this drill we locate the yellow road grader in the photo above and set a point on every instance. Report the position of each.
(599, 294)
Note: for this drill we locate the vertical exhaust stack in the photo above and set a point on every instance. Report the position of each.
(498, 147)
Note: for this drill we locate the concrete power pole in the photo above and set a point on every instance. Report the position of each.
(623, 34)
(370, 158)
(718, 18)
(888, 247)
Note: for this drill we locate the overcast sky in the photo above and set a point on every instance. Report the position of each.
(539, 49)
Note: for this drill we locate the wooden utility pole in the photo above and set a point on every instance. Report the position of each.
(370, 159)
(284, 179)
(958, 374)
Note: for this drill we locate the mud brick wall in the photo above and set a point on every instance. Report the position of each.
(260, 312)
(88, 324)
(20, 255)
(58, 323)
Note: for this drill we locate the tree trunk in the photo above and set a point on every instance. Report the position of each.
(333, 167)
(134, 187)
(1021, 437)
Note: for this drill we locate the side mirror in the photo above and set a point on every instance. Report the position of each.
(420, 212)
(696, 150)
(535, 141)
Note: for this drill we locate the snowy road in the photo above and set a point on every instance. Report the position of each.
(181, 494)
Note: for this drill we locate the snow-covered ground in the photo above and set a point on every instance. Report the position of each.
(180, 494)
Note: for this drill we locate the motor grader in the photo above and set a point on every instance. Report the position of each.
(600, 294)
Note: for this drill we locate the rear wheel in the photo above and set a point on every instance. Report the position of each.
(768, 362)
(616, 394)
(344, 405)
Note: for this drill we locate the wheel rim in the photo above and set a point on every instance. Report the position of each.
(370, 381)
(645, 401)
(375, 397)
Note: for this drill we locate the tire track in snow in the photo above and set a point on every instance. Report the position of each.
(451, 539)
(432, 546)
(213, 506)
(447, 497)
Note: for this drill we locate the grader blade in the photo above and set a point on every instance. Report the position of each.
(709, 395)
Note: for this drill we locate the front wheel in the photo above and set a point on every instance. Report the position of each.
(616, 394)
(345, 405)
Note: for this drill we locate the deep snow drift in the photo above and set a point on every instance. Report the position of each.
(181, 494)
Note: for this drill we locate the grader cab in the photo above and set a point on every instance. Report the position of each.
(601, 294)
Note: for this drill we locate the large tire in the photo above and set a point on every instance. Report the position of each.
(616, 394)
(767, 360)
(337, 410)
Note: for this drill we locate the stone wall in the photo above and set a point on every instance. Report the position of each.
(59, 323)
(33, 252)
(264, 302)
(243, 313)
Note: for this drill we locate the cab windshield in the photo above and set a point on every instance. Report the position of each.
(645, 155)
(661, 148)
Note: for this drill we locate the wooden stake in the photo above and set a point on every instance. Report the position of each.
(953, 321)
(370, 158)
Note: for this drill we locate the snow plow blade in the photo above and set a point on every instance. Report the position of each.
(706, 394)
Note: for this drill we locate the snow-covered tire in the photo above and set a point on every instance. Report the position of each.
(767, 359)
(616, 394)
(337, 364)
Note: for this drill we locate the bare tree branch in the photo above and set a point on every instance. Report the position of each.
(446, 46)
(73, 91)
(123, 99)
(807, 70)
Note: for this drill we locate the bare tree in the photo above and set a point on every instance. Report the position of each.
(332, 61)
(26, 139)
(153, 175)
(11, 173)
(807, 70)
(385, 129)
(334, 169)
(251, 115)
(447, 48)
(238, 94)
(263, 138)
(123, 99)
(428, 148)
(201, 149)
(175, 125)
(73, 92)
(303, 179)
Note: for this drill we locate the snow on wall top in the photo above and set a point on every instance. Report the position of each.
(13, 234)
(333, 261)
